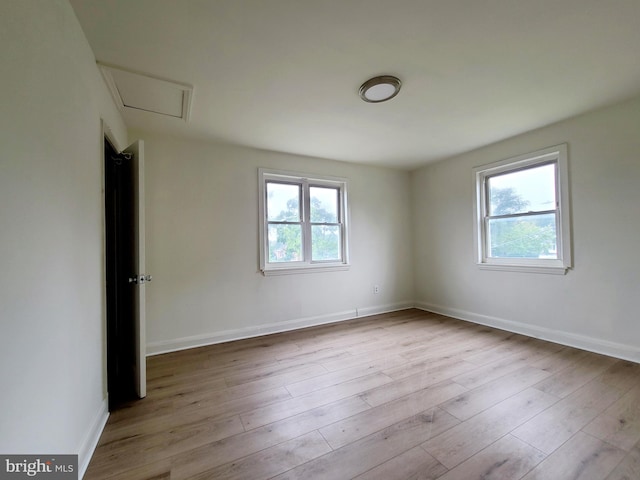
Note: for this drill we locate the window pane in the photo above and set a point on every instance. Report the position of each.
(283, 202)
(324, 204)
(523, 237)
(325, 242)
(285, 243)
(530, 190)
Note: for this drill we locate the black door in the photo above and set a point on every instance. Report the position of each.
(120, 267)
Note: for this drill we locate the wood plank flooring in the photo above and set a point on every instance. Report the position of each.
(406, 395)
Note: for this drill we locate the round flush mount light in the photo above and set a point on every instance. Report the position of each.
(380, 89)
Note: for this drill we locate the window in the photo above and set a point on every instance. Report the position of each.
(303, 225)
(522, 213)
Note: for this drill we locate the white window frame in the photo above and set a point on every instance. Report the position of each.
(305, 181)
(557, 155)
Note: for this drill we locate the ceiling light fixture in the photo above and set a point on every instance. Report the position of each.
(380, 89)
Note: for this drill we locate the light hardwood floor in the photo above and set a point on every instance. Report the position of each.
(406, 395)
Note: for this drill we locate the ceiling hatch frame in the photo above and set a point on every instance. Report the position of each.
(123, 83)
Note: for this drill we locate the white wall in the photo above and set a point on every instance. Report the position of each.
(202, 245)
(596, 304)
(51, 231)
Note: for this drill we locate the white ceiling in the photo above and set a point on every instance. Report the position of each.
(284, 74)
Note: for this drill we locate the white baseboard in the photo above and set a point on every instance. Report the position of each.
(92, 437)
(377, 310)
(156, 348)
(605, 347)
(596, 345)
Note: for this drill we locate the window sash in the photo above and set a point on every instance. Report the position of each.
(487, 238)
(336, 193)
(507, 171)
(524, 214)
(300, 195)
(305, 184)
(530, 213)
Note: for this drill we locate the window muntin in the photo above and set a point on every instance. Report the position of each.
(522, 213)
(303, 226)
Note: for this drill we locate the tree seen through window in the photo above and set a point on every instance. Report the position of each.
(519, 237)
(285, 240)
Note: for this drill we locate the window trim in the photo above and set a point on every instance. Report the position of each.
(307, 181)
(557, 155)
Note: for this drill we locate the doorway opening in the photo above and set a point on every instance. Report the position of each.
(120, 272)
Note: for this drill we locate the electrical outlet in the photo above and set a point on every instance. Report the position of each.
(376, 289)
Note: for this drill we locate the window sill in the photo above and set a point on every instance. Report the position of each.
(545, 269)
(305, 269)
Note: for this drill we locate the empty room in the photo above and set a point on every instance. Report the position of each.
(278, 239)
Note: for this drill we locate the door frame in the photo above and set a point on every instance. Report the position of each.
(106, 136)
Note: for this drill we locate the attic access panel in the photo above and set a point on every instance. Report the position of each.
(144, 92)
